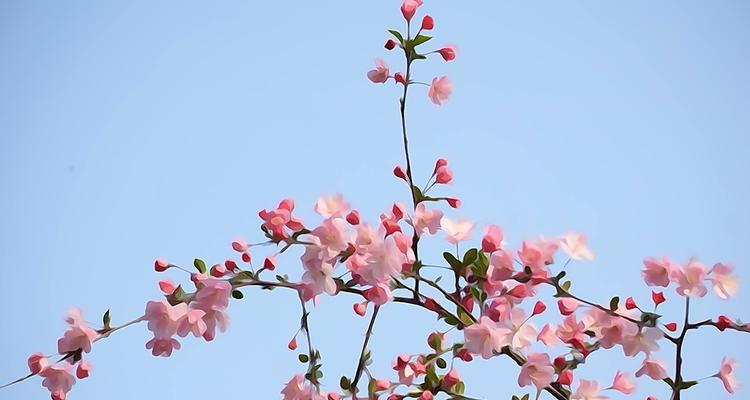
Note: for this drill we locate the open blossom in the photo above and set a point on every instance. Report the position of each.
(622, 383)
(297, 389)
(406, 373)
(37, 362)
(331, 206)
(381, 72)
(275, 221)
(645, 340)
(213, 299)
(588, 390)
(456, 231)
(689, 279)
(522, 333)
(484, 338)
(163, 317)
(78, 336)
(425, 220)
(440, 90)
(656, 272)
(726, 374)
(537, 371)
(574, 245)
(192, 322)
(548, 335)
(571, 330)
(725, 284)
(379, 294)
(492, 239)
(537, 254)
(58, 379)
(655, 369)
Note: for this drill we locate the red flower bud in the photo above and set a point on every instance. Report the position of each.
(360, 308)
(428, 23)
(560, 363)
(658, 297)
(269, 263)
(448, 53)
(161, 265)
(353, 217)
(441, 162)
(630, 303)
(399, 172)
(390, 44)
(231, 265)
(671, 326)
(539, 307)
(455, 203)
(723, 322)
(292, 344)
(246, 257)
(565, 377)
(399, 77)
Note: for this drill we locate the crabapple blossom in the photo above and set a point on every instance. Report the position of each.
(484, 338)
(380, 73)
(657, 272)
(537, 371)
(440, 90)
(654, 369)
(83, 370)
(426, 220)
(588, 390)
(78, 336)
(492, 239)
(443, 175)
(448, 53)
(331, 206)
(725, 284)
(427, 23)
(726, 374)
(37, 362)
(689, 279)
(58, 379)
(622, 383)
(409, 8)
(456, 231)
(574, 245)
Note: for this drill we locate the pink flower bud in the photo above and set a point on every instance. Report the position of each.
(246, 257)
(270, 263)
(218, 271)
(428, 23)
(672, 326)
(657, 297)
(630, 303)
(444, 175)
(37, 362)
(399, 77)
(409, 8)
(382, 384)
(360, 308)
(455, 203)
(492, 239)
(539, 307)
(334, 396)
(166, 286)
(390, 44)
(451, 378)
(565, 378)
(448, 53)
(441, 162)
(292, 344)
(239, 246)
(161, 265)
(567, 306)
(399, 172)
(426, 396)
(432, 305)
(353, 217)
(83, 370)
(230, 265)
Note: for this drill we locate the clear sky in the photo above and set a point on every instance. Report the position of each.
(142, 129)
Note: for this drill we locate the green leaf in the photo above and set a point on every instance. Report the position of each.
(470, 256)
(566, 285)
(669, 382)
(515, 397)
(200, 265)
(237, 294)
(418, 196)
(303, 358)
(452, 260)
(525, 397)
(687, 384)
(345, 383)
(459, 388)
(614, 303)
(441, 363)
(419, 40)
(397, 34)
(106, 320)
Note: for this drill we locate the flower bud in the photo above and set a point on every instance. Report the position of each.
(630, 303)
(353, 217)
(360, 308)
(657, 297)
(428, 23)
(448, 53)
(671, 326)
(390, 44)
(161, 265)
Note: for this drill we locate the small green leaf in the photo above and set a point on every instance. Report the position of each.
(418, 196)
(200, 265)
(515, 397)
(419, 40)
(106, 320)
(345, 383)
(525, 397)
(452, 260)
(669, 382)
(440, 363)
(566, 285)
(397, 34)
(614, 303)
(237, 294)
(303, 358)
(470, 256)
(459, 388)
(688, 384)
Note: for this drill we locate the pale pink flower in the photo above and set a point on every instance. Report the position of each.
(522, 333)
(406, 373)
(214, 295)
(726, 374)
(425, 220)
(331, 206)
(296, 389)
(571, 330)
(492, 239)
(214, 319)
(456, 231)
(83, 370)
(78, 336)
(163, 318)
(484, 338)
(192, 322)
(409, 8)
(379, 294)
(645, 340)
(622, 383)
(381, 72)
(58, 379)
(275, 221)
(567, 305)
(332, 235)
(548, 335)
(689, 279)
(574, 245)
(384, 260)
(655, 369)
(537, 254)
(537, 371)
(499, 309)
(725, 284)
(440, 90)
(37, 362)
(656, 272)
(588, 390)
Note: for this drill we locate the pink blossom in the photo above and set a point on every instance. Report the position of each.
(275, 221)
(522, 333)
(588, 390)
(331, 206)
(567, 305)
(571, 330)
(451, 378)
(425, 220)
(192, 322)
(381, 72)
(78, 336)
(406, 373)
(548, 335)
(296, 389)
(37, 362)
(484, 338)
(499, 309)
(492, 239)
(537, 371)
(456, 231)
(440, 90)
(725, 284)
(58, 379)
(443, 175)
(726, 374)
(409, 8)
(448, 53)
(622, 383)
(689, 279)
(574, 245)
(166, 286)
(655, 369)
(537, 254)
(332, 235)
(379, 294)
(163, 317)
(645, 340)
(83, 370)
(655, 272)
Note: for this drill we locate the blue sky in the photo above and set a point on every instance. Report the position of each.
(141, 129)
